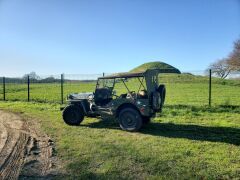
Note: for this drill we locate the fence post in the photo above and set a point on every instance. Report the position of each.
(62, 79)
(4, 89)
(210, 88)
(103, 74)
(28, 87)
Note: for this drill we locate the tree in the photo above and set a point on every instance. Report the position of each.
(234, 57)
(32, 76)
(221, 68)
(225, 66)
(50, 79)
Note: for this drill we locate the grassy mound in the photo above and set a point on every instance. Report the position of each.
(154, 65)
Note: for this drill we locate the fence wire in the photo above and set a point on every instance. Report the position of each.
(75, 83)
(15, 89)
(188, 88)
(46, 88)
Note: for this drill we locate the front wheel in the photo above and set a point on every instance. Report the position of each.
(130, 119)
(73, 115)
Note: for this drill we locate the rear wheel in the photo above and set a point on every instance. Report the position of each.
(130, 119)
(73, 115)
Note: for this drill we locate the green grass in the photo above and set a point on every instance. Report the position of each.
(44, 92)
(185, 142)
(181, 89)
(188, 140)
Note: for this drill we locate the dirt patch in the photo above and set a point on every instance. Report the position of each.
(25, 152)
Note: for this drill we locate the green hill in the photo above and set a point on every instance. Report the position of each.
(154, 65)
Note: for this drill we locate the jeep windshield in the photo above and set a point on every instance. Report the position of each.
(105, 83)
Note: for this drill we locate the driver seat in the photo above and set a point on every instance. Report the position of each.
(102, 96)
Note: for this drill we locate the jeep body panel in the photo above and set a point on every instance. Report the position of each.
(142, 105)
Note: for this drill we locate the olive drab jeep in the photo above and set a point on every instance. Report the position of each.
(132, 109)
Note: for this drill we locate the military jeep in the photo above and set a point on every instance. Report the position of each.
(132, 109)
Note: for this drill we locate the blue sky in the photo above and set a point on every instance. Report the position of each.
(94, 36)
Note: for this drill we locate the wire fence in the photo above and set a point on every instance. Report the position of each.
(189, 88)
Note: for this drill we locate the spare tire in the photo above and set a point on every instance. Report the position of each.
(156, 101)
(162, 90)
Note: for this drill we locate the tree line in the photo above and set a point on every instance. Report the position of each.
(34, 78)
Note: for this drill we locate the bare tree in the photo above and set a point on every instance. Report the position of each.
(234, 57)
(221, 68)
(32, 76)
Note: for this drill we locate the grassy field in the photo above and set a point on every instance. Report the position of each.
(188, 140)
(181, 89)
(184, 142)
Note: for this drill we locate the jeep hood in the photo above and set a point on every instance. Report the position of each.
(79, 95)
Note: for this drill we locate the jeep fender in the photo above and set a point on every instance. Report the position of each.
(82, 104)
(125, 105)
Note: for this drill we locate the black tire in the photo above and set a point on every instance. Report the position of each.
(146, 119)
(156, 101)
(73, 115)
(130, 119)
(162, 90)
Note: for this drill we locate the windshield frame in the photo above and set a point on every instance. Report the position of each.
(141, 79)
(98, 84)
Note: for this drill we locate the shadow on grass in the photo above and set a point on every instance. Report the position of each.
(213, 109)
(193, 132)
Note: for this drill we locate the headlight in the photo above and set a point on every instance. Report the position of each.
(70, 96)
